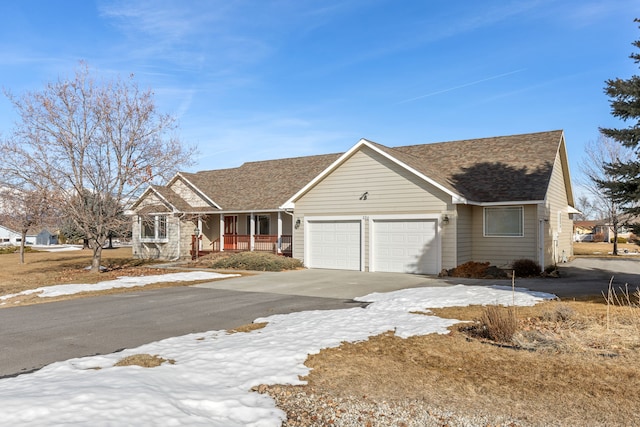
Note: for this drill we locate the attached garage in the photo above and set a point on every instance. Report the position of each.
(334, 244)
(405, 246)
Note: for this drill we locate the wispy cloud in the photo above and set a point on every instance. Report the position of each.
(449, 89)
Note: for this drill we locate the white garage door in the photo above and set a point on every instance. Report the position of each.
(334, 244)
(405, 246)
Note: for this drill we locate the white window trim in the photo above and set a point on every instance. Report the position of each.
(156, 228)
(484, 222)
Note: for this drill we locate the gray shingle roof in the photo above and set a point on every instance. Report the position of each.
(497, 169)
(260, 185)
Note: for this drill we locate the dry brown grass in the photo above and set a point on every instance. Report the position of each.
(602, 249)
(56, 268)
(144, 360)
(583, 374)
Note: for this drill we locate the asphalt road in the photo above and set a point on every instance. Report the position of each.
(37, 335)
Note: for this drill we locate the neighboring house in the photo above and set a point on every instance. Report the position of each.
(9, 237)
(416, 208)
(598, 230)
(45, 238)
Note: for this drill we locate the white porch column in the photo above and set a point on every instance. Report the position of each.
(221, 233)
(252, 225)
(279, 244)
(198, 240)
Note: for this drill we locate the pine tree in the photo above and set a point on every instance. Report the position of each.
(623, 184)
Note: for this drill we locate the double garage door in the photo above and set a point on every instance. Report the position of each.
(404, 246)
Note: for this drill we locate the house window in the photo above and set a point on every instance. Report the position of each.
(507, 221)
(153, 228)
(262, 224)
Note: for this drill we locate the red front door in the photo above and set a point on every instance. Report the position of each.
(231, 232)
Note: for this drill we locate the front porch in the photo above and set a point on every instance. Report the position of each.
(281, 245)
(243, 232)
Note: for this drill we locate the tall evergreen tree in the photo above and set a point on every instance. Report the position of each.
(623, 183)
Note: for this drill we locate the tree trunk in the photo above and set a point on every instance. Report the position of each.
(22, 243)
(97, 258)
(614, 223)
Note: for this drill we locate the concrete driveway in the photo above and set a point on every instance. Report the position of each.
(338, 284)
(579, 278)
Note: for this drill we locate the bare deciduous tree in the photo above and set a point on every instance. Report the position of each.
(95, 145)
(599, 154)
(586, 208)
(24, 211)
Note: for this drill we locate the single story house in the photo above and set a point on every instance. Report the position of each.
(417, 208)
(10, 237)
(599, 230)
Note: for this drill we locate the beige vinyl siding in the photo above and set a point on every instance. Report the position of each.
(463, 224)
(502, 251)
(186, 192)
(391, 190)
(557, 207)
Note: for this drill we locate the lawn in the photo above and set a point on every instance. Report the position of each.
(600, 249)
(570, 363)
(70, 267)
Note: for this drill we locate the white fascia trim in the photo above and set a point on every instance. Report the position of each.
(150, 189)
(508, 203)
(572, 210)
(139, 199)
(173, 208)
(250, 211)
(202, 194)
(405, 216)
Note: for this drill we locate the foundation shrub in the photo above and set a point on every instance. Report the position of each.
(526, 268)
(256, 261)
(477, 270)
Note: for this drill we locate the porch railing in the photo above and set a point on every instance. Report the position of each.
(261, 243)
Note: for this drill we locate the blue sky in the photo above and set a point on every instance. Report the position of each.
(256, 80)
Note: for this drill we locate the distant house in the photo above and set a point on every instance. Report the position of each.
(46, 238)
(9, 237)
(598, 230)
(416, 208)
(42, 237)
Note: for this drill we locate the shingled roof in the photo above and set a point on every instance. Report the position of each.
(259, 185)
(497, 169)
